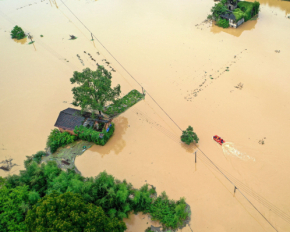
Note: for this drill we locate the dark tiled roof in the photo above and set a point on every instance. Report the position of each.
(228, 16)
(69, 119)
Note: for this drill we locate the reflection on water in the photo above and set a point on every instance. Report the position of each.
(116, 143)
(139, 222)
(189, 148)
(21, 41)
(247, 26)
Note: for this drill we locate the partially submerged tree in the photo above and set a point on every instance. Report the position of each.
(17, 33)
(94, 89)
(188, 136)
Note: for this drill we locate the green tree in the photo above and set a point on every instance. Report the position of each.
(14, 203)
(69, 212)
(94, 89)
(17, 33)
(218, 9)
(188, 136)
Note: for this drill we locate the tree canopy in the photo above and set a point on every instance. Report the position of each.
(188, 136)
(14, 203)
(69, 212)
(17, 33)
(94, 89)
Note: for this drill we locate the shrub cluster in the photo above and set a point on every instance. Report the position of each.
(116, 198)
(37, 158)
(91, 135)
(224, 23)
(17, 33)
(58, 139)
(170, 213)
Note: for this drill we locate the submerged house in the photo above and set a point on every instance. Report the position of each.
(232, 4)
(239, 12)
(69, 118)
(232, 19)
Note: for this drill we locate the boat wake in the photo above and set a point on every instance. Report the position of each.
(230, 150)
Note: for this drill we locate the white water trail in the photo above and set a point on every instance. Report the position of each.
(230, 150)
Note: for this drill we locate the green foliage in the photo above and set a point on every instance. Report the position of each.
(250, 9)
(239, 14)
(116, 198)
(121, 105)
(218, 9)
(142, 199)
(17, 33)
(170, 213)
(188, 136)
(35, 177)
(2, 181)
(94, 89)
(36, 157)
(91, 135)
(69, 212)
(224, 23)
(111, 195)
(14, 204)
(58, 139)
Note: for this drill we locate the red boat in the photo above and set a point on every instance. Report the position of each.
(218, 139)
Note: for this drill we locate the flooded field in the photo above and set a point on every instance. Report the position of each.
(228, 82)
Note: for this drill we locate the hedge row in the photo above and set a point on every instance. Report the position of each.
(91, 135)
(58, 139)
(121, 105)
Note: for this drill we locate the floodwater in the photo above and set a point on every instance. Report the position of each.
(181, 62)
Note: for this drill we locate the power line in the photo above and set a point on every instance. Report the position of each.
(168, 116)
(161, 107)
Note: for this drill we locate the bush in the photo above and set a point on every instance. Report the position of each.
(58, 139)
(170, 213)
(142, 199)
(91, 135)
(224, 23)
(188, 136)
(37, 158)
(17, 33)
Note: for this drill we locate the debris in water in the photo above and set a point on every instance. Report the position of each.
(7, 164)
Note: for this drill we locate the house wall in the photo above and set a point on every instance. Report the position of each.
(236, 24)
(231, 6)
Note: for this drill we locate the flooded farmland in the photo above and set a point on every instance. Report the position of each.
(182, 62)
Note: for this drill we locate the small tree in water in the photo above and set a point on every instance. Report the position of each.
(94, 89)
(188, 136)
(17, 33)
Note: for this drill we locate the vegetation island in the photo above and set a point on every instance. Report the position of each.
(52, 195)
(233, 13)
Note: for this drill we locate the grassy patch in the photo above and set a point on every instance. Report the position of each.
(121, 105)
(68, 154)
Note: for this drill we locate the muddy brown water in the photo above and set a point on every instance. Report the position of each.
(181, 62)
